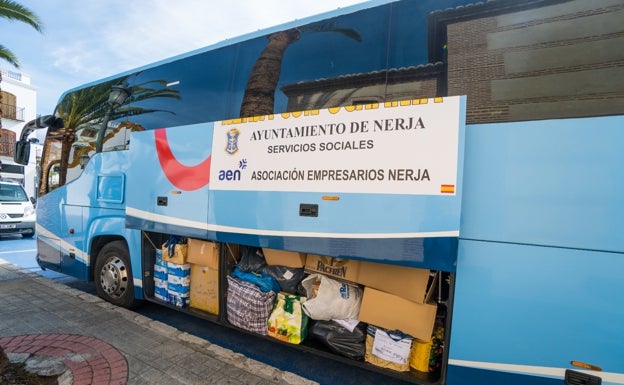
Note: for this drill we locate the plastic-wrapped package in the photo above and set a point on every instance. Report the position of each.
(252, 259)
(329, 299)
(339, 339)
(288, 278)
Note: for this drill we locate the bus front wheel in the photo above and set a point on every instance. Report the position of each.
(113, 275)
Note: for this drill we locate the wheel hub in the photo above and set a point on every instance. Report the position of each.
(114, 277)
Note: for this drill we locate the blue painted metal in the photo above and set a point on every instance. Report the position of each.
(552, 183)
(73, 216)
(540, 241)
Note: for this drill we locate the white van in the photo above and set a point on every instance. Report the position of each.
(17, 213)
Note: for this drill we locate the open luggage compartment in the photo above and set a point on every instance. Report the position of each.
(295, 299)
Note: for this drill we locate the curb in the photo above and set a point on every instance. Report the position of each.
(227, 356)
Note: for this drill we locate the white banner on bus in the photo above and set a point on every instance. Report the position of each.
(408, 147)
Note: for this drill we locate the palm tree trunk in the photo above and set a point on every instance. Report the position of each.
(67, 141)
(1, 100)
(259, 97)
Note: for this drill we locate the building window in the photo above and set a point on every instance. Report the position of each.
(7, 142)
(8, 106)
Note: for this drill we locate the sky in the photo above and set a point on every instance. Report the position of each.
(84, 41)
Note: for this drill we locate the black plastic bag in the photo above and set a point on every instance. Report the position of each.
(288, 278)
(252, 260)
(339, 339)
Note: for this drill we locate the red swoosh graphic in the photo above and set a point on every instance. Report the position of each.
(183, 177)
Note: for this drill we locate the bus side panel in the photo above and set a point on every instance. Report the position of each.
(362, 208)
(553, 182)
(349, 228)
(48, 230)
(160, 196)
(534, 310)
(540, 240)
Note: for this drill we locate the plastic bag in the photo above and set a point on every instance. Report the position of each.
(288, 322)
(264, 281)
(329, 299)
(247, 306)
(426, 356)
(340, 339)
(252, 259)
(171, 243)
(288, 278)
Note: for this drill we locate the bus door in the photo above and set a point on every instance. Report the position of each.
(74, 259)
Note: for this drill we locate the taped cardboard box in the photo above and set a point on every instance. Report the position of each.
(338, 268)
(203, 253)
(204, 288)
(176, 254)
(284, 258)
(388, 349)
(392, 312)
(407, 282)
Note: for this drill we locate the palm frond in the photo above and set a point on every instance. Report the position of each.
(332, 27)
(14, 11)
(8, 56)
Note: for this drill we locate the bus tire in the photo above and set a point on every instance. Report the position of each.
(113, 275)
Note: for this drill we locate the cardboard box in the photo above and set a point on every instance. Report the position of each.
(338, 268)
(203, 253)
(392, 312)
(407, 282)
(204, 288)
(388, 349)
(284, 258)
(179, 254)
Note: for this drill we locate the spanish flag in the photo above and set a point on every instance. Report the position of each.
(447, 189)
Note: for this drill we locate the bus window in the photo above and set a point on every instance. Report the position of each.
(53, 176)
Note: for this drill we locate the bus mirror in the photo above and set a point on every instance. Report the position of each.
(22, 152)
(49, 121)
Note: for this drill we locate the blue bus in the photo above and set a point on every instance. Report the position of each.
(479, 143)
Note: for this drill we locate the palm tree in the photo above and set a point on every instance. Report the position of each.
(13, 11)
(259, 97)
(87, 107)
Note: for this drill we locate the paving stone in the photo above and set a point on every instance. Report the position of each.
(99, 343)
(45, 366)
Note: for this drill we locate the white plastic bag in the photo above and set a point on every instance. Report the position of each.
(330, 299)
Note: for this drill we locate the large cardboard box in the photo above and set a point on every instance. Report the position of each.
(392, 312)
(410, 283)
(284, 258)
(407, 282)
(204, 288)
(338, 268)
(203, 253)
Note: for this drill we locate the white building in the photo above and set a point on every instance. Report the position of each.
(19, 106)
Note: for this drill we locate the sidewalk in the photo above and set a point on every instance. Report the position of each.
(93, 342)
